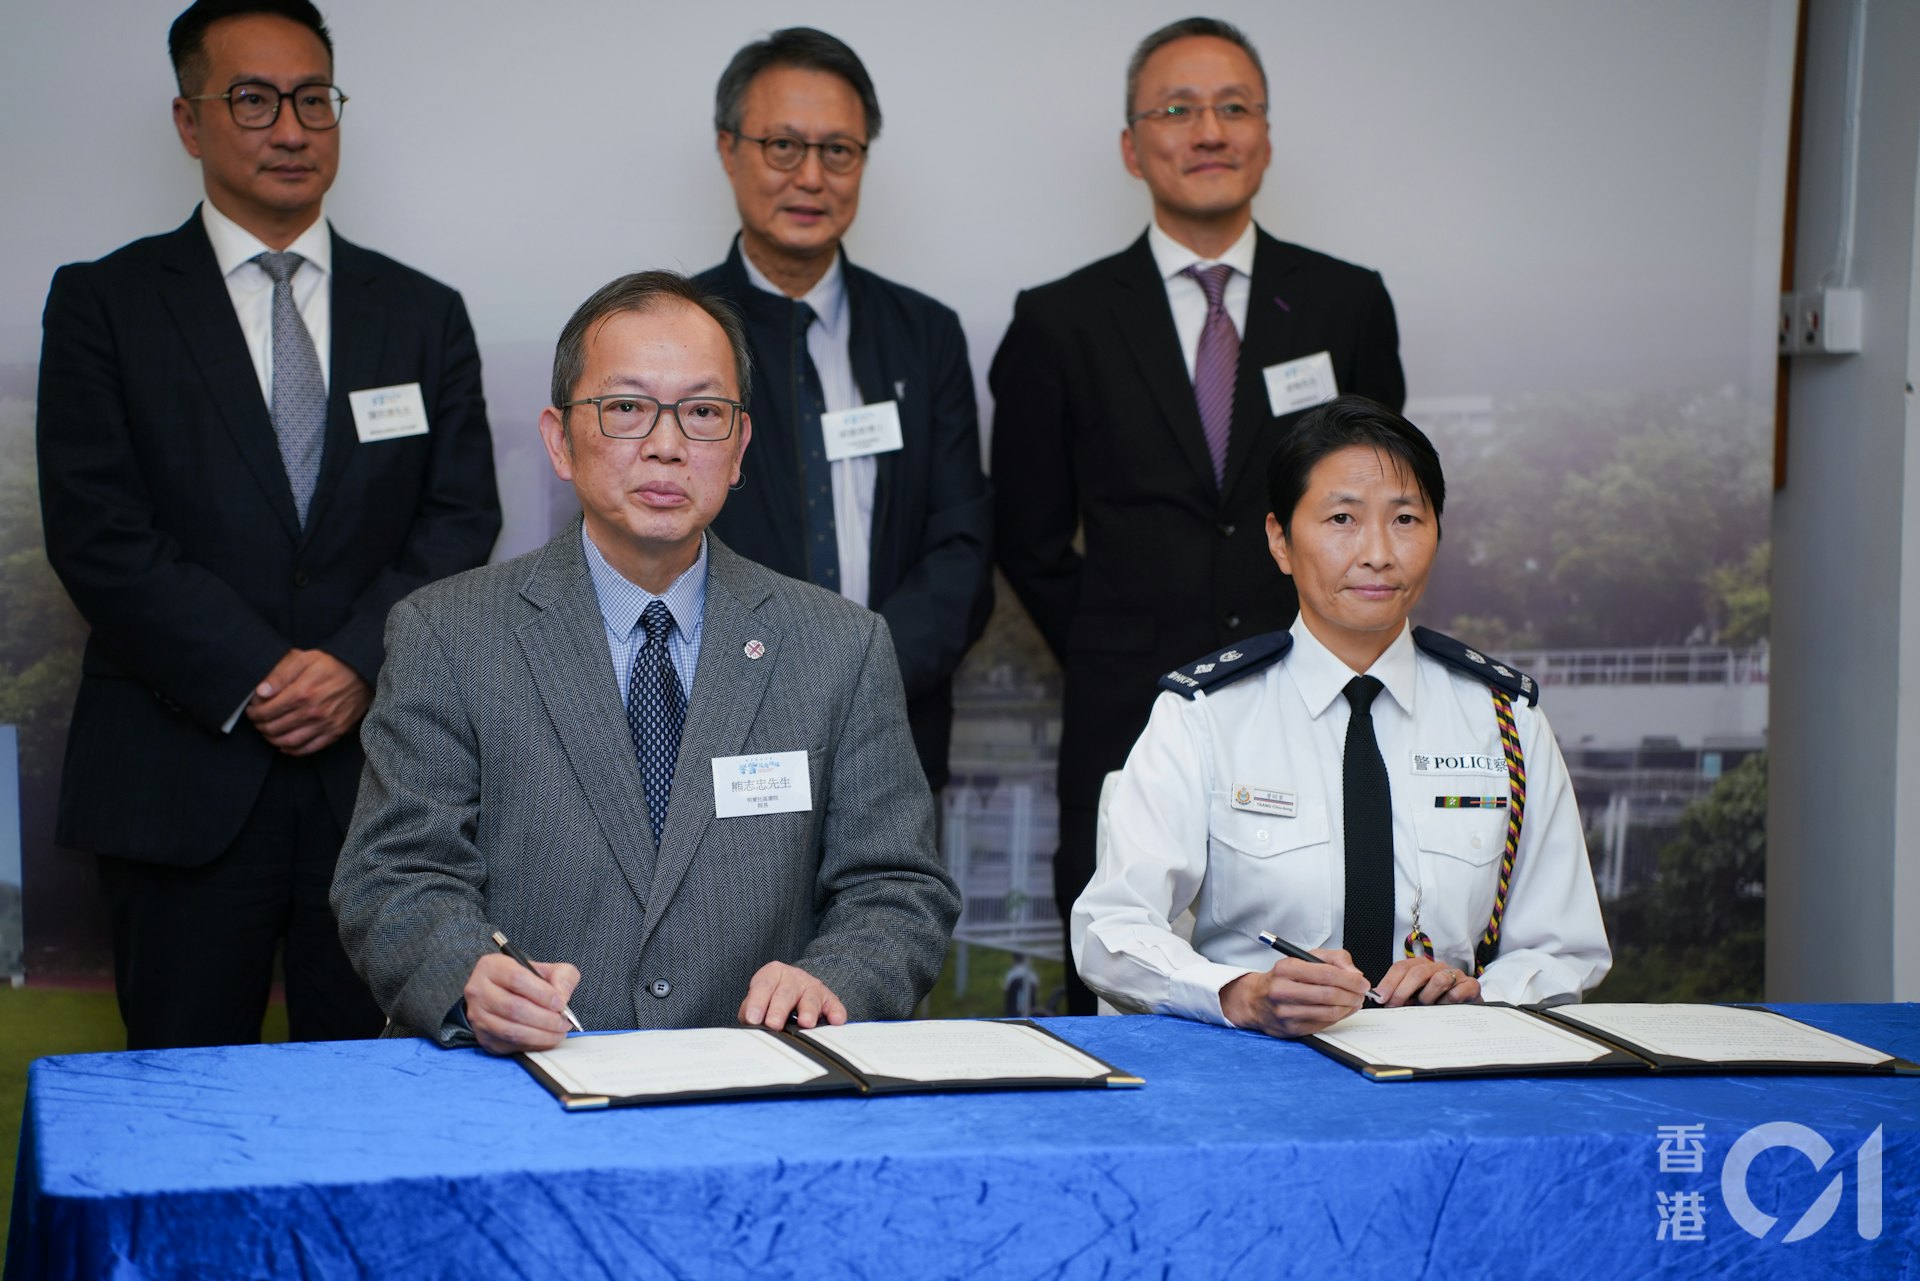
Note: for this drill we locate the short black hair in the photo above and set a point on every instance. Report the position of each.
(1180, 30)
(793, 47)
(187, 39)
(643, 291)
(1343, 422)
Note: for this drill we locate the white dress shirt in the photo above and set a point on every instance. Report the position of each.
(1188, 299)
(853, 478)
(1179, 835)
(622, 601)
(251, 289)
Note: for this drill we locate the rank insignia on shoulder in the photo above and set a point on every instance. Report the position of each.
(1489, 671)
(1256, 653)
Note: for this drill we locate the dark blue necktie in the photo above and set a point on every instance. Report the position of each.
(1367, 805)
(816, 473)
(656, 711)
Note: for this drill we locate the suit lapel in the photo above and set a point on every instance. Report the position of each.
(1270, 337)
(359, 332)
(565, 648)
(203, 310)
(1145, 320)
(727, 689)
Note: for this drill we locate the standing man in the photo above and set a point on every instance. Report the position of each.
(254, 438)
(682, 780)
(1139, 400)
(866, 479)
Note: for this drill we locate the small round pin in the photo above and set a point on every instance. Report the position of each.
(753, 649)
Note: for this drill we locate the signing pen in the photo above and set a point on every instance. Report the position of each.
(500, 941)
(1299, 953)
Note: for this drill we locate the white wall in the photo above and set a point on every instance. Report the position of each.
(1843, 863)
(1562, 196)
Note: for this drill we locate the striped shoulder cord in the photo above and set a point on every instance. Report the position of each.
(1489, 946)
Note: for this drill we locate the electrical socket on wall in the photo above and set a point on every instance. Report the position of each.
(1820, 322)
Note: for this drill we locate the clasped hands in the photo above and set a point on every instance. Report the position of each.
(510, 1009)
(1298, 998)
(308, 702)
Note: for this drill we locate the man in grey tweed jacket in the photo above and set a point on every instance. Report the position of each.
(506, 787)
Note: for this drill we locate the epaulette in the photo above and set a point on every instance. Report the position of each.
(1477, 665)
(1249, 656)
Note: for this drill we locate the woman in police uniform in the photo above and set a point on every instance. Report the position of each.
(1377, 793)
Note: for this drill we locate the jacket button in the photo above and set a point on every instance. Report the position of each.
(660, 988)
(1233, 620)
(299, 578)
(1226, 530)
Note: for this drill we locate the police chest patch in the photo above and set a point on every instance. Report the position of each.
(1494, 766)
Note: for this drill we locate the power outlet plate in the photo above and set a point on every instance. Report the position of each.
(1820, 322)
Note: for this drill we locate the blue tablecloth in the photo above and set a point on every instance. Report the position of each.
(1242, 1156)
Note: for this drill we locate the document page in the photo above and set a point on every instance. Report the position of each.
(955, 1050)
(675, 1062)
(1719, 1034)
(1438, 1037)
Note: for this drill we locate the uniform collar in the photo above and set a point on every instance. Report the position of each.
(1170, 257)
(234, 246)
(1322, 678)
(828, 297)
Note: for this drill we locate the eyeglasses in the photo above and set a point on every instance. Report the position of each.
(785, 152)
(256, 105)
(1179, 115)
(627, 417)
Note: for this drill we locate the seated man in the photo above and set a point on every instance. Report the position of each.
(1274, 792)
(634, 752)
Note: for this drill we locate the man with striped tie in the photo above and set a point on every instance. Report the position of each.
(1138, 400)
(254, 437)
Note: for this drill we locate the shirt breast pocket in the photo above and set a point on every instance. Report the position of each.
(1460, 852)
(1269, 873)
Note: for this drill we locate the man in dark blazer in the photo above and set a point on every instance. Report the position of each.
(1138, 400)
(234, 527)
(681, 780)
(902, 524)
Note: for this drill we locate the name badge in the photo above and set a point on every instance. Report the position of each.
(855, 433)
(1459, 763)
(767, 783)
(1263, 800)
(1300, 384)
(388, 413)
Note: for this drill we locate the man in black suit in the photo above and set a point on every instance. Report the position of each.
(865, 476)
(1138, 400)
(254, 438)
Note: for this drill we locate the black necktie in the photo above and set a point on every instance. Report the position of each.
(656, 710)
(816, 473)
(1368, 820)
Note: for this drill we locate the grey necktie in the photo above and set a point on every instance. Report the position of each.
(299, 392)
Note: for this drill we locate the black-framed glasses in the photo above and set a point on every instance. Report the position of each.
(1180, 115)
(256, 104)
(629, 417)
(786, 152)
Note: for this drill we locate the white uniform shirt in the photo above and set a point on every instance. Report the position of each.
(1174, 836)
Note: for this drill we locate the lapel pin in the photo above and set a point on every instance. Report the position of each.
(1281, 303)
(753, 649)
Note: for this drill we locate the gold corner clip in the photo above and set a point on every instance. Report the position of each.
(1124, 1081)
(585, 1102)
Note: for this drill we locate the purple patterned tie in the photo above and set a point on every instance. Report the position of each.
(1215, 365)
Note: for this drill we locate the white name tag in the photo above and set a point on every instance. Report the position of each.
(855, 433)
(1460, 763)
(1301, 384)
(388, 413)
(769, 783)
(1263, 800)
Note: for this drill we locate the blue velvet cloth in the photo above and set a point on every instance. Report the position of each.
(1241, 1156)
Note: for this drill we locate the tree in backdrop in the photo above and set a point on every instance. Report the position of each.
(1602, 520)
(40, 633)
(1697, 931)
